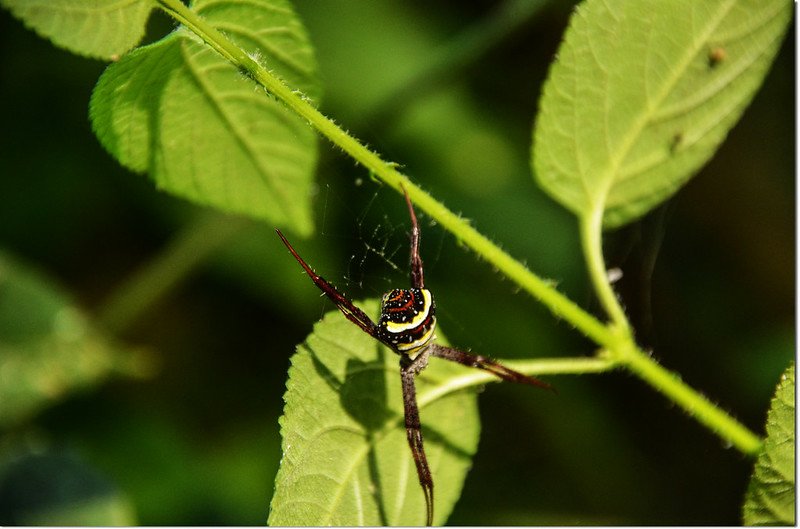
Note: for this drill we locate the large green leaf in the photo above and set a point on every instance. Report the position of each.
(97, 28)
(178, 110)
(346, 460)
(48, 347)
(642, 93)
(770, 498)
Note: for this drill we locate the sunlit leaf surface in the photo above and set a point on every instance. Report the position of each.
(346, 460)
(97, 28)
(770, 498)
(202, 130)
(642, 94)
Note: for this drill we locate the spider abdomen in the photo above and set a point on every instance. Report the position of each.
(408, 318)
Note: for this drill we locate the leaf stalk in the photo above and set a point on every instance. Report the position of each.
(614, 338)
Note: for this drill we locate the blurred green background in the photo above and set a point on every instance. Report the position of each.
(179, 424)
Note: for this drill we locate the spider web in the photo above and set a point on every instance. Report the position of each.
(377, 237)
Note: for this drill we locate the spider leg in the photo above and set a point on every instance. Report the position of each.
(487, 364)
(417, 280)
(350, 311)
(408, 371)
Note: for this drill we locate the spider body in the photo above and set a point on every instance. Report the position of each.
(408, 319)
(406, 325)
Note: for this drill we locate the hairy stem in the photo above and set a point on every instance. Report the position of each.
(630, 356)
(695, 404)
(616, 338)
(540, 289)
(592, 241)
(536, 367)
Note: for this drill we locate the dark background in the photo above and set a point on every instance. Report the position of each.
(198, 442)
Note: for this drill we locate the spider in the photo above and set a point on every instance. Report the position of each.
(406, 326)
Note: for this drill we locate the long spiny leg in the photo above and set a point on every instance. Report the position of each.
(417, 279)
(487, 364)
(352, 312)
(408, 371)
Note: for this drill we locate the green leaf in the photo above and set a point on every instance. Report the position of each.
(47, 346)
(770, 498)
(346, 460)
(98, 28)
(643, 93)
(205, 132)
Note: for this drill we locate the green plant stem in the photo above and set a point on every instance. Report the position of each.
(538, 366)
(540, 289)
(592, 241)
(629, 355)
(615, 338)
(192, 246)
(695, 404)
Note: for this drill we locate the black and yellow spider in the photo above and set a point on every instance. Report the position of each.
(406, 326)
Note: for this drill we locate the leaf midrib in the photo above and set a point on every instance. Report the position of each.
(250, 151)
(598, 201)
(425, 399)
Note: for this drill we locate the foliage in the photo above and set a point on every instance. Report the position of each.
(771, 495)
(105, 29)
(218, 112)
(647, 92)
(181, 113)
(345, 454)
